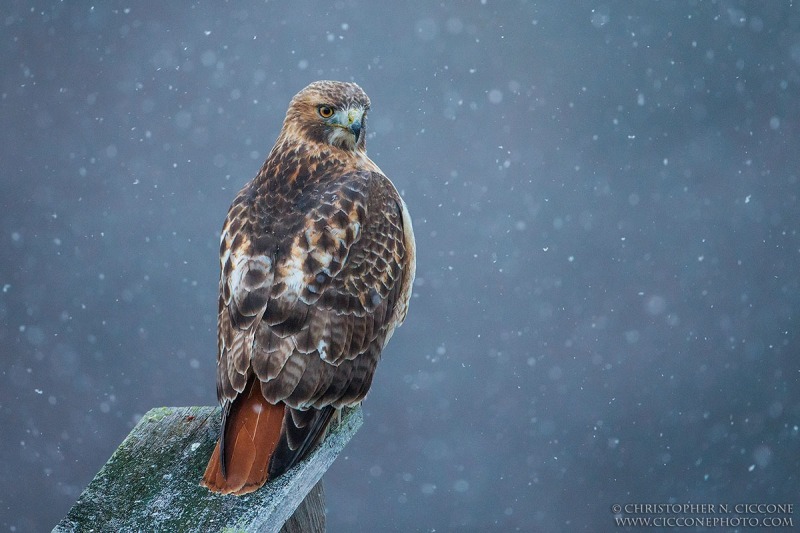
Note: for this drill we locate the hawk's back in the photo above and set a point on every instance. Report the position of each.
(317, 261)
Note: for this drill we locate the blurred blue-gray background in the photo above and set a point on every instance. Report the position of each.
(605, 198)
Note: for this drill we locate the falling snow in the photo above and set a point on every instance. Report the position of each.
(606, 207)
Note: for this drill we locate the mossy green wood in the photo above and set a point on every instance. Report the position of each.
(151, 482)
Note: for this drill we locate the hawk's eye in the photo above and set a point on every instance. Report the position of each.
(325, 111)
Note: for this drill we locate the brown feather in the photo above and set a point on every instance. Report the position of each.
(317, 261)
(302, 431)
(251, 433)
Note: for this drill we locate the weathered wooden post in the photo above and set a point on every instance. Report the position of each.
(150, 483)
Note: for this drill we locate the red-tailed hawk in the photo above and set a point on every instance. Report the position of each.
(317, 260)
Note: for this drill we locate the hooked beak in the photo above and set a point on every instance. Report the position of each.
(355, 129)
(350, 119)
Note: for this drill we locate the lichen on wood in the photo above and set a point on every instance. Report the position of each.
(151, 482)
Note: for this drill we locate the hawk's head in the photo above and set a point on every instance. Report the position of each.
(330, 112)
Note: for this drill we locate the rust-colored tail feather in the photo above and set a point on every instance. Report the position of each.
(250, 434)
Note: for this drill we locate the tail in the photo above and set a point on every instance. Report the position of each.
(251, 429)
(260, 441)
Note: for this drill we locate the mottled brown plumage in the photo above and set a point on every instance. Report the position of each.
(317, 261)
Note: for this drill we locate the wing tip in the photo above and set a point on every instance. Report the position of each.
(291, 450)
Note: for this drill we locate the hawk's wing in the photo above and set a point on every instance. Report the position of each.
(307, 304)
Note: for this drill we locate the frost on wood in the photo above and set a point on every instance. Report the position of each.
(151, 482)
